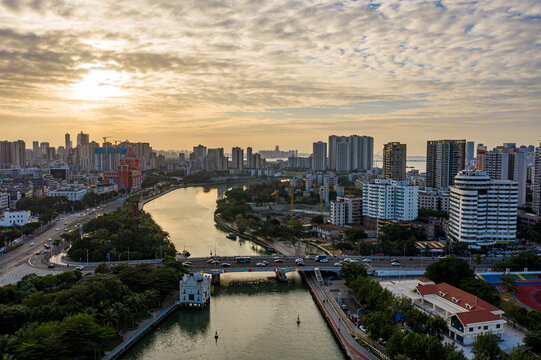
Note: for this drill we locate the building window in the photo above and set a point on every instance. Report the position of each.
(497, 326)
(471, 329)
(485, 327)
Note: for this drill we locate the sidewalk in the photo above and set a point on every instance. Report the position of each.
(339, 322)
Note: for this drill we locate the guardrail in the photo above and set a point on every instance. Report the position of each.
(125, 345)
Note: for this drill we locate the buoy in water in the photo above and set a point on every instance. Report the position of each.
(216, 335)
(298, 319)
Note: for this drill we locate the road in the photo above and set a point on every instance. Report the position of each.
(26, 254)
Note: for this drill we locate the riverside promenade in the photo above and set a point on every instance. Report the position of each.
(339, 323)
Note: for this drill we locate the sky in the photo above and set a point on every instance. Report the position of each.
(264, 73)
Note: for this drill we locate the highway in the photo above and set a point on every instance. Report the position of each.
(63, 222)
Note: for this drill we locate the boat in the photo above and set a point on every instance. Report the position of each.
(216, 335)
(231, 236)
(298, 319)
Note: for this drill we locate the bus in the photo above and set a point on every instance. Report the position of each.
(242, 259)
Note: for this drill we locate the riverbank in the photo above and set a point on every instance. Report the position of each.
(224, 225)
(144, 326)
(339, 324)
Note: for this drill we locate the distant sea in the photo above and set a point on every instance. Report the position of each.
(412, 162)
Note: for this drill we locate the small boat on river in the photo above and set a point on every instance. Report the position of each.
(231, 236)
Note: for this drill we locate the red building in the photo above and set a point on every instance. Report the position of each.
(128, 174)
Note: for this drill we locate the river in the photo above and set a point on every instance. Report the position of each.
(255, 316)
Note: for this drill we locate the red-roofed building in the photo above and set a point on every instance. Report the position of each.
(128, 174)
(466, 314)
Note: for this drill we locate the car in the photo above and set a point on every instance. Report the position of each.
(299, 263)
(47, 246)
(339, 264)
(396, 263)
(32, 244)
(226, 265)
(344, 307)
(394, 260)
(65, 223)
(353, 261)
(38, 253)
(324, 260)
(45, 251)
(50, 266)
(346, 260)
(57, 229)
(49, 239)
(80, 268)
(187, 264)
(363, 329)
(279, 260)
(260, 264)
(367, 261)
(210, 261)
(265, 262)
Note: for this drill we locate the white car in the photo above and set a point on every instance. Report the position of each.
(353, 261)
(368, 261)
(323, 260)
(57, 229)
(339, 264)
(396, 263)
(80, 268)
(363, 329)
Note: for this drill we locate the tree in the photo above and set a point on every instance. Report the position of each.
(317, 220)
(485, 347)
(478, 259)
(451, 270)
(352, 271)
(533, 340)
(509, 282)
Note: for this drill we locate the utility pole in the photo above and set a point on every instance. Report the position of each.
(87, 257)
(128, 254)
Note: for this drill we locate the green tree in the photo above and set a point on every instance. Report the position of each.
(352, 271)
(451, 270)
(485, 347)
(509, 282)
(317, 220)
(533, 340)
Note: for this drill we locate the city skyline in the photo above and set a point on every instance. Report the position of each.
(176, 75)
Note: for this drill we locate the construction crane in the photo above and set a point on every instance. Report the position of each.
(292, 199)
(105, 139)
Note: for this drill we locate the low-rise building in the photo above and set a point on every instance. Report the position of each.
(10, 218)
(194, 290)
(434, 199)
(466, 314)
(73, 194)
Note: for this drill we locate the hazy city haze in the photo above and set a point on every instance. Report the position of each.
(262, 73)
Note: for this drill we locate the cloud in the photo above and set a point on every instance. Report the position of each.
(282, 61)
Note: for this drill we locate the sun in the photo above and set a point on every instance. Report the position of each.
(99, 85)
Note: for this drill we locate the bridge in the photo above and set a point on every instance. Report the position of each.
(281, 265)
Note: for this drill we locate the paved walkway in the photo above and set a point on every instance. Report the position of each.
(339, 322)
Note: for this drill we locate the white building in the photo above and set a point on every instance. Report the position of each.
(10, 218)
(346, 210)
(338, 213)
(73, 194)
(466, 314)
(508, 162)
(434, 199)
(4, 200)
(194, 290)
(536, 181)
(482, 211)
(387, 199)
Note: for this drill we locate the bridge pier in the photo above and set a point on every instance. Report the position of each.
(215, 279)
(281, 275)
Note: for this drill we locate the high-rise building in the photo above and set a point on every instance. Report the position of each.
(394, 161)
(536, 181)
(83, 139)
(319, 157)
(481, 157)
(249, 158)
(470, 152)
(346, 210)
(482, 212)
(360, 153)
(67, 141)
(444, 159)
(35, 152)
(237, 158)
(216, 160)
(387, 199)
(508, 162)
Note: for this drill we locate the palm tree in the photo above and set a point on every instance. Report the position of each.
(478, 259)
(110, 317)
